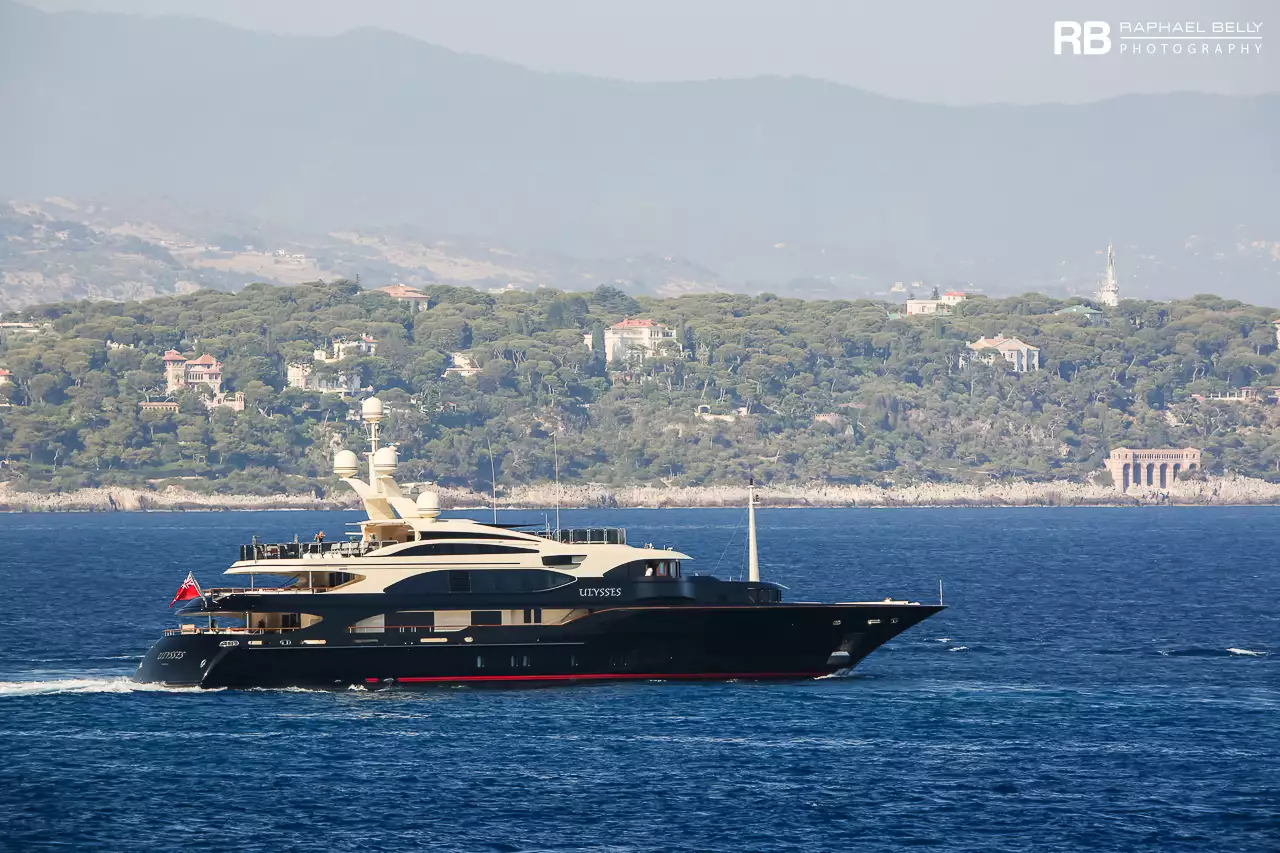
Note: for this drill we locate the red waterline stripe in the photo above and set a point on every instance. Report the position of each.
(601, 676)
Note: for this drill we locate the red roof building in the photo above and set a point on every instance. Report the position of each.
(179, 373)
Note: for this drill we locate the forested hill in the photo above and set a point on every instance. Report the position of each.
(809, 391)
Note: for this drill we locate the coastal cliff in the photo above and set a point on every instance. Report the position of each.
(1214, 491)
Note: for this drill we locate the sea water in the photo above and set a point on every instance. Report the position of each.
(1105, 679)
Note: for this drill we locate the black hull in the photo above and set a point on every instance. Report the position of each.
(781, 641)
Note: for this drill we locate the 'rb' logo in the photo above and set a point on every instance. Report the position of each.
(1095, 35)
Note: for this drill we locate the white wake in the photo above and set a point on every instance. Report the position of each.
(118, 684)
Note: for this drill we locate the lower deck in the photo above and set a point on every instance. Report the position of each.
(797, 641)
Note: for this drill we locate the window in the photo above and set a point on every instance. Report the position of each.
(645, 569)
(486, 617)
(458, 549)
(533, 616)
(480, 582)
(429, 535)
(411, 621)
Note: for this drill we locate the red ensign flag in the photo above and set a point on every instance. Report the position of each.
(189, 589)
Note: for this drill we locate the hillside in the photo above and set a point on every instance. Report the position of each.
(763, 180)
(794, 392)
(62, 249)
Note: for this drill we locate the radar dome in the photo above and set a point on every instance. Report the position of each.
(429, 503)
(385, 461)
(371, 410)
(345, 463)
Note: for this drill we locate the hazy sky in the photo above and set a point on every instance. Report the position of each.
(949, 52)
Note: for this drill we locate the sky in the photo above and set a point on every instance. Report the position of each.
(982, 51)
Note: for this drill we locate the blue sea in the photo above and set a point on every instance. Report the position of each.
(1104, 680)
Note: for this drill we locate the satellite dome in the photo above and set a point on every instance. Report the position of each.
(345, 463)
(371, 410)
(385, 461)
(429, 503)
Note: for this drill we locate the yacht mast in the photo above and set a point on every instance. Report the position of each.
(753, 558)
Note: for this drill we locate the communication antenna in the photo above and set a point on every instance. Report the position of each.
(753, 557)
(555, 448)
(493, 479)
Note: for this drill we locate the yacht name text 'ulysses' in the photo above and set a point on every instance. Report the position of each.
(419, 599)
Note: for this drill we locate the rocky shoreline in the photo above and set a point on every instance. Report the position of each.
(1219, 491)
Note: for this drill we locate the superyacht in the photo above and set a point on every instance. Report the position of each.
(416, 598)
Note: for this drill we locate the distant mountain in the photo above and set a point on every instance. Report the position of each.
(764, 180)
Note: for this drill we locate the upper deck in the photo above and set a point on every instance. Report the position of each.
(259, 551)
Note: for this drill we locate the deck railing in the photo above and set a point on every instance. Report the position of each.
(586, 535)
(255, 551)
(196, 629)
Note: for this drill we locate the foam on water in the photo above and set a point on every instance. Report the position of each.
(118, 684)
(1249, 652)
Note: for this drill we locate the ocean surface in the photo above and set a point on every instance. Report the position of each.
(1105, 679)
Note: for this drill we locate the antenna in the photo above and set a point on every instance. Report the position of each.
(753, 558)
(493, 480)
(939, 591)
(555, 447)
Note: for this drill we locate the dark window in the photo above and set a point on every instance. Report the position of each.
(486, 617)
(533, 616)
(645, 569)
(561, 559)
(429, 535)
(411, 619)
(481, 582)
(459, 549)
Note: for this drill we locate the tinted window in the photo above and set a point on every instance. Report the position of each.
(486, 617)
(482, 581)
(458, 549)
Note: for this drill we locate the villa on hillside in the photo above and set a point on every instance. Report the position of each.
(5, 376)
(304, 378)
(463, 365)
(343, 347)
(941, 305)
(302, 375)
(181, 373)
(405, 295)
(1021, 356)
(622, 340)
(1084, 312)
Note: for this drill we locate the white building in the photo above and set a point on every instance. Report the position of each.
(942, 305)
(1022, 357)
(631, 338)
(341, 348)
(463, 365)
(304, 378)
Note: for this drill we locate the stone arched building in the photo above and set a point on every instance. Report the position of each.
(1150, 468)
